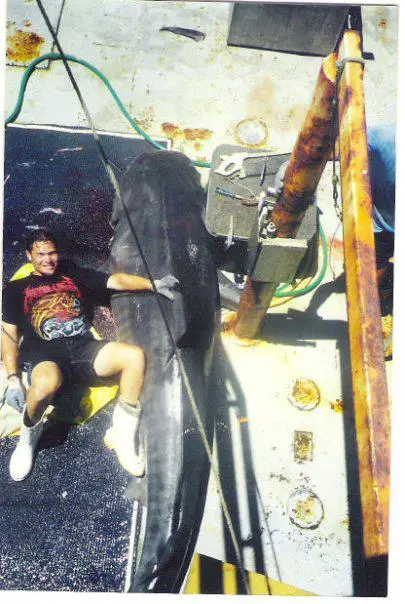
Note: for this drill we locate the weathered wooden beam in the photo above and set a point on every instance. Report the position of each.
(254, 303)
(372, 413)
(308, 158)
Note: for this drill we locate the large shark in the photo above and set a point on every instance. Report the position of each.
(164, 203)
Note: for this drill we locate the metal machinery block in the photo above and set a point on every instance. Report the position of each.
(274, 260)
(234, 222)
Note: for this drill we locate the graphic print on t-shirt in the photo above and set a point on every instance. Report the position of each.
(55, 310)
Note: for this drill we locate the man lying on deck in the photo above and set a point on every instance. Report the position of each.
(52, 309)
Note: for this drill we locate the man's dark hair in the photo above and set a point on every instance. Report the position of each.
(39, 235)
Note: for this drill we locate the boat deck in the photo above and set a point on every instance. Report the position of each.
(287, 459)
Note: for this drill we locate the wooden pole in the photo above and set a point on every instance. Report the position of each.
(308, 159)
(372, 414)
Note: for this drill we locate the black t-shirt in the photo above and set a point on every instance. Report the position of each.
(49, 308)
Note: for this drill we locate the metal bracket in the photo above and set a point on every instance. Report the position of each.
(272, 259)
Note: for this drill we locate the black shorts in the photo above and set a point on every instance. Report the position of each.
(74, 356)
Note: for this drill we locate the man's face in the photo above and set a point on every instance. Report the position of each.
(44, 258)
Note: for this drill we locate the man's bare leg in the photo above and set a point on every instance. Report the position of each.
(46, 379)
(130, 362)
(123, 436)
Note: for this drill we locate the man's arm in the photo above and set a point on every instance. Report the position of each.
(99, 281)
(9, 347)
(125, 282)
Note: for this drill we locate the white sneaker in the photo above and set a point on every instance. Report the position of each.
(123, 437)
(22, 459)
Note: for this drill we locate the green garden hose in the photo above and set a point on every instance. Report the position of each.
(52, 56)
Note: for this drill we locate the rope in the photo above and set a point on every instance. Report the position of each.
(330, 251)
(183, 372)
(342, 63)
(335, 137)
(3, 397)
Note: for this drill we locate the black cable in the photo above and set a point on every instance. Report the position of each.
(106, 163)
(72, 79)
(104, 157)
(116, 187)
(269, 532)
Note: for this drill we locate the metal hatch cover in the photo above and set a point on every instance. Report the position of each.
(300, 29)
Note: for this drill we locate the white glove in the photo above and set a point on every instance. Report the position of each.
(15, 396)
(165, 285)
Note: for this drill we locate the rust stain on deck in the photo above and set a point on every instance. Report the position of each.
(170, 130)
(146, 118)
(178, 134)
(336, 247)
(228, 323)
(192, 134)
(305, 509)
(337, 405)
(24, 46)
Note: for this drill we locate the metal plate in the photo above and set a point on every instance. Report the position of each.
(220, 209)
(27, 34)
(303, 446)
(298, 29)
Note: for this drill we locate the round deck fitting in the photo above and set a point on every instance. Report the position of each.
(251, 132)
(304, 394)
(305, 509)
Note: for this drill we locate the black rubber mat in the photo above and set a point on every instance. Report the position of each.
(54, 178)
(67, 526)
